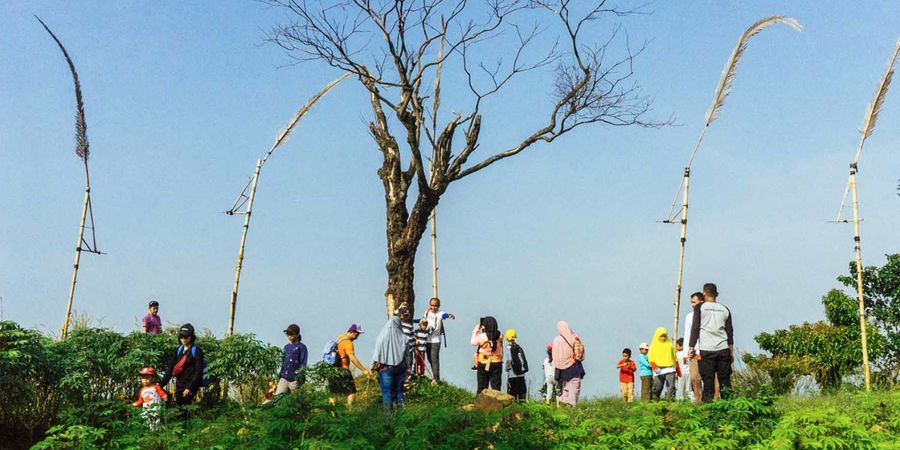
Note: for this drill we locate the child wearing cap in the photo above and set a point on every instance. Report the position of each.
(152, 323)
(549, 376)
(295, 357)
(645, 370)
(150, 397)
(626, 375)
(516, 367)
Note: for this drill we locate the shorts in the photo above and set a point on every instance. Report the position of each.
(342, 384)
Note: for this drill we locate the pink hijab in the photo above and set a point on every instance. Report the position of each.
(563, 353)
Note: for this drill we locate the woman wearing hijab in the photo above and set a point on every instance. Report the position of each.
(568, 352)
(664, 364)
(390, 362)
(489, 356)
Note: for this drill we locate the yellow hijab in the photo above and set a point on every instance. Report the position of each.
(662, 353)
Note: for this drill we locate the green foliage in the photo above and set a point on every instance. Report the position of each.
(829, 351)
(306, 420)
(881, 289)
(40, 377)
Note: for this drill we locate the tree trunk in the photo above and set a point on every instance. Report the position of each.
(401, 279)
(404, 233)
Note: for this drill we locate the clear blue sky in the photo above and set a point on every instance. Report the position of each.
(182, 98)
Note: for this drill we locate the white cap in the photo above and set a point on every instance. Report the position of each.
(644, 345)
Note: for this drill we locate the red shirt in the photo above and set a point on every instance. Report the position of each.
(626, 373)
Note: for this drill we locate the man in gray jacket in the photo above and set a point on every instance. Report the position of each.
(712, 336)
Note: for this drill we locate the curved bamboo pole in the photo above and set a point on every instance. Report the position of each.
(279, 140)
(868, 128)
(723, 88)
(82, 150)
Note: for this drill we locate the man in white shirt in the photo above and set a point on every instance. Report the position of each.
(435, 318)
(691, 370)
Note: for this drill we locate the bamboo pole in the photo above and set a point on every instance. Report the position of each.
(82, 150)
(240, 257)
(868, 128)
(434, 266)
(84, 208)
(723, 88)
(684, 221)
(280, 139)
(859, 279)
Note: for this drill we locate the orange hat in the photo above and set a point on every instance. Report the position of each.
(147, 371)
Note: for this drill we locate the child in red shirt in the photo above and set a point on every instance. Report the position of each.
(151, 397)
(626, 375)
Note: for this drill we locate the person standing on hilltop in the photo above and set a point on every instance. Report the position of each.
(626, 375)
(568, 352)
(152, 323)
(691, 370)
(664, 363)
(435, 317)
(646, 373)
(390, 362)
(488, 355)
(712, 336)
(516, 367)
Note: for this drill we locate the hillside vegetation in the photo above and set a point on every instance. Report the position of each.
(76, 394)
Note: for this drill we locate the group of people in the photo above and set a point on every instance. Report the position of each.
(185, 365)
(402, 347)
(695, 372)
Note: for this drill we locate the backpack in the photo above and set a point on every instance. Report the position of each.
(330, 353)
(577, 347)
(206, 379)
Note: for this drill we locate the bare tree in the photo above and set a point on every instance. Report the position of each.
(398, 50)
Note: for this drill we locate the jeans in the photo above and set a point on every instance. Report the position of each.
(715, 364)
(669, 380)
(391, 381)
(491, 376)
(433, 352)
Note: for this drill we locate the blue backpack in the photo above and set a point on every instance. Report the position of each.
(330, 353)
(206, 379)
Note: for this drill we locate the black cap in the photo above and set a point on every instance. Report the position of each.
(153, 303)
(186, 330)
(292, 330)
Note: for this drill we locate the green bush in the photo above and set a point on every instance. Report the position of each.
(41, 377)
(75, 394)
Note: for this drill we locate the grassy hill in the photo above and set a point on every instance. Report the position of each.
(434, 419)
